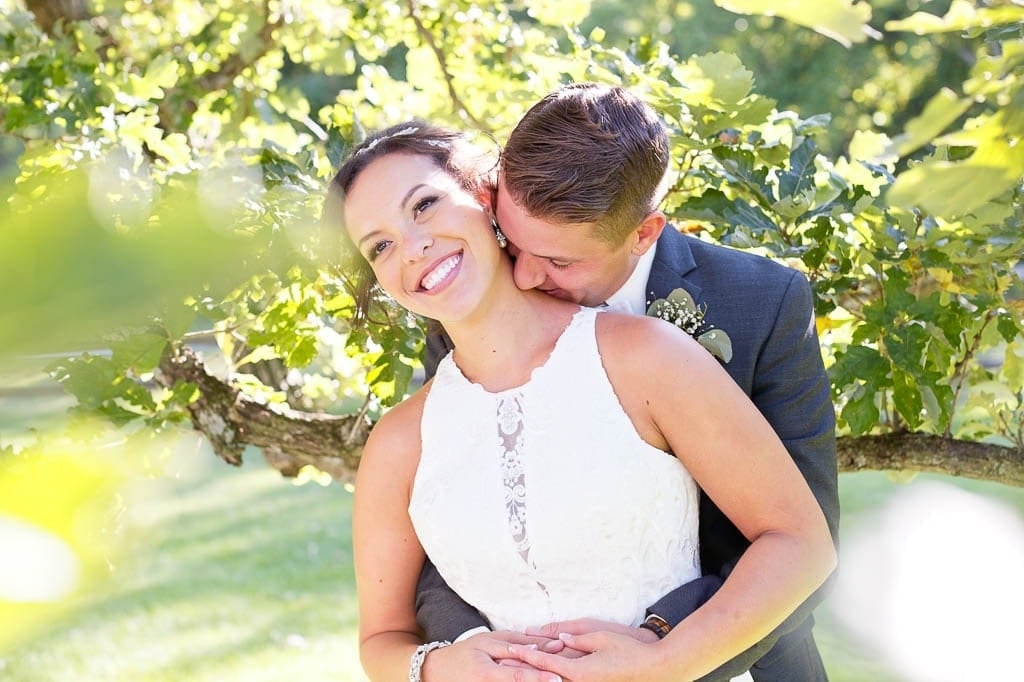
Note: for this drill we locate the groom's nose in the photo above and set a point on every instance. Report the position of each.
(528, 271)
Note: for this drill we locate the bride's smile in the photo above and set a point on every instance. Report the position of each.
(441, 274)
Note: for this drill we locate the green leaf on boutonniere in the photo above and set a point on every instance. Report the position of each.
(680, 309)
(718, 343)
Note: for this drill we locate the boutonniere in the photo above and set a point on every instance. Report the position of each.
(680, 309)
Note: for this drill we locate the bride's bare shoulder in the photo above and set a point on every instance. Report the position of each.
(396, 435)
(639, 339)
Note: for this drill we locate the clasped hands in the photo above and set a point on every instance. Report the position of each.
(585, 650)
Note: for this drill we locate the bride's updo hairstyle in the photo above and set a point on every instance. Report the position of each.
(451, 150)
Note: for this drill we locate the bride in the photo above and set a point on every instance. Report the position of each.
(550, 470)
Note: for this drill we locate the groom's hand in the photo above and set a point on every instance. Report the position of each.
(485, 657)
(584, 626)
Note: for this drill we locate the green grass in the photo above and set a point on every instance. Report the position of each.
(239, 575)
(228, 575)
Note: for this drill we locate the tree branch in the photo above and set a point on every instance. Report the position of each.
(442, 62)
(960, 370)
(49, 12)
(291, 439)
(924, 452)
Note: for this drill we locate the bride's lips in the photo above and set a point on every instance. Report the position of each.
(441, 273)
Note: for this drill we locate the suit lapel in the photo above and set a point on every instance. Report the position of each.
(674, 267)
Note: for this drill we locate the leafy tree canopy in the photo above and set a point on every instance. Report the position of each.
(171, 158)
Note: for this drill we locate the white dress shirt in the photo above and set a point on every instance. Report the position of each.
(632, 295)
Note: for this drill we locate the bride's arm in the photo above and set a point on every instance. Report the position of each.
(680, 399)
(740, 463)
(388, 555)
(388, 559)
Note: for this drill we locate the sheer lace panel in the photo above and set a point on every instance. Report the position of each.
(510, 438)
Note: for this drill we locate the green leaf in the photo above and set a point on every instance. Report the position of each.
(948, 189)
(962, 15)
(1012, 369)
(174, 149)
(682, 297)
(715, 207)
(740, 168)
(1009, 326)
(844, 21)
(302, 353)
(897, 296)
(729, 80)
(258, 354)
(941, 111)
(182, 394)
(558, 12)
(139, 352)
(799, 177)
(861, 414)
(907, 399)
(858, 364)
(163, 71)
(718, 343)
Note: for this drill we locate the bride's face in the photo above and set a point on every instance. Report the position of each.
(427, 239)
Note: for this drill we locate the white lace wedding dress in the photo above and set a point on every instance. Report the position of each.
(542, 503)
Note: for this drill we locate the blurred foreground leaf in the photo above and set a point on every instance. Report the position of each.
(78, 261)
(57, 525)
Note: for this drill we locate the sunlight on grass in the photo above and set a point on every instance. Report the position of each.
(230, 575)
(240, 575)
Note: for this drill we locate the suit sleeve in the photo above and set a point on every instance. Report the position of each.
(791, 389)
(440, 612)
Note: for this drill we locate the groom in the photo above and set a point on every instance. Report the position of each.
(579, 184)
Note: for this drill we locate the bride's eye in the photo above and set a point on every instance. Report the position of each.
(377, 249)
(423, 204)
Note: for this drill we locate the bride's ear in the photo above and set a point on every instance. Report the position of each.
(487, 195)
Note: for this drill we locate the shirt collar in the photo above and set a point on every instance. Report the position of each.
(632, 296)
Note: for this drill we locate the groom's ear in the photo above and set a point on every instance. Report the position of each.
(648, 231)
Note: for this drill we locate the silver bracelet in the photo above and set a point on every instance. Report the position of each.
(416, 662)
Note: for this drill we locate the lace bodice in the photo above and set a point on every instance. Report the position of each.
(542, 503)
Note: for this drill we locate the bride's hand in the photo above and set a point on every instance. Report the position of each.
(606, 657)
(477, 658)
(584, 626)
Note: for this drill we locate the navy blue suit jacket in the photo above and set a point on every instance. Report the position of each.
(767, 311)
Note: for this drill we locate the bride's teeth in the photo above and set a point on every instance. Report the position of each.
(435, 276)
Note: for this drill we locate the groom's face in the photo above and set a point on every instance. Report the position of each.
(567, 261)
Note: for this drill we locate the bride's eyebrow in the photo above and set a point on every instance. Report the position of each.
(367, 237)
(408, 195)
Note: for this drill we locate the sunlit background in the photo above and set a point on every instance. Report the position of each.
(135, 556)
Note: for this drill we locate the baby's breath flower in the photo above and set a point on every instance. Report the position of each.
(679, 308)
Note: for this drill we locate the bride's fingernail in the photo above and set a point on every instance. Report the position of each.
(564, 636)
(512, 648)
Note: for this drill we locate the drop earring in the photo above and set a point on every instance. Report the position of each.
(502, 239)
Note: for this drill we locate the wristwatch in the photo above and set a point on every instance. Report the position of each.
(657, 625)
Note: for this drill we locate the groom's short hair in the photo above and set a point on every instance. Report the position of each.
(588, 153)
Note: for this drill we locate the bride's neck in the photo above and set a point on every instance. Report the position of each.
(500, 347)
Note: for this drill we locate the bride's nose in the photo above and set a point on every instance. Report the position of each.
(416, 246)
